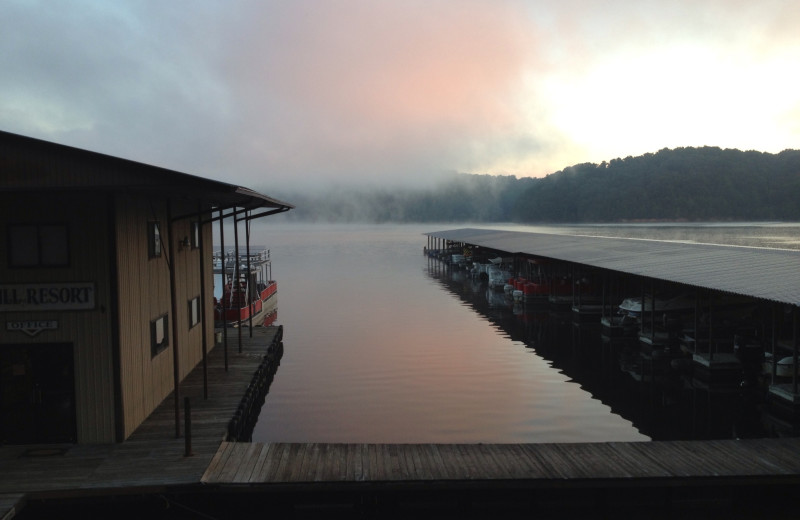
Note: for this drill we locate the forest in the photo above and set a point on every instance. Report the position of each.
(690, 184)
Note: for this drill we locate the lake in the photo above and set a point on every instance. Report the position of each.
(381, 345)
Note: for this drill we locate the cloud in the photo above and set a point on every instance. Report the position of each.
(111, 77)
(258, 92)
(377, 89)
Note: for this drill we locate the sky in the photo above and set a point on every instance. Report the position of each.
(300, 93)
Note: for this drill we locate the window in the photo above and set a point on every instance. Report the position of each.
(153, 239)
(159, 335)
(38, 245)
(194, 311)
(195, 235)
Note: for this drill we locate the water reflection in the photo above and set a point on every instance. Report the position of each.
(376, 351)
(663, 399)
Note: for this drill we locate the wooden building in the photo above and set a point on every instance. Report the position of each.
(105, 287)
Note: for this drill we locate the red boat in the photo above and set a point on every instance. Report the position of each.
(244, 293)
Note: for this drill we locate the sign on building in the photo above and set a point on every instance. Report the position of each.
(69, 296)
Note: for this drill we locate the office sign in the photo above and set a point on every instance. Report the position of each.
(31, 327)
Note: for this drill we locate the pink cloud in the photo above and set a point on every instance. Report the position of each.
(349, 82)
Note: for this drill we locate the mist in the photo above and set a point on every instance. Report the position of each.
(451, 198)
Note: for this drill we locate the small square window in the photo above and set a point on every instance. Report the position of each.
(159, 334)
(195, 235)
(38, 245)
(153, 239)
(194, 311)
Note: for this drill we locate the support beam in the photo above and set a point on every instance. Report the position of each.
(224, 281)
(236, 273)
(174, 311)
(203, 259)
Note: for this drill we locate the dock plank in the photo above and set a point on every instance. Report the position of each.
(263, 454)
(682, 462)
(373, 473)
(352, 464)
(421, 462)
(153, 458)
(245, 471)
(152, 455)
(10, 504)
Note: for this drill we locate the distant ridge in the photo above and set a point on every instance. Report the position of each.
(671, 185)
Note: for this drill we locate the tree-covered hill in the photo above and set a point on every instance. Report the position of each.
(695, 184)
(691, 184)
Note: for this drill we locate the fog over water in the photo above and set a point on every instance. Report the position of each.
(379, 348)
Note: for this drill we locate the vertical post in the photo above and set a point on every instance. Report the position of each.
(203, 260)
(603, 296)
(574, 285)
(774, 343)
(187, 415)
(710, 328)
(641, 311)
(794, 350)
(653, 312)
(224, 283)
(696, 320)
(237, 274)
(174, 311)
(250, 297)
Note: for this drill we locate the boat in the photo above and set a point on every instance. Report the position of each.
(561, 291)
(785, 366)
(244, 292)
(729, 306)
(676, 304)
(498, 278)
(619, 326)
(458, 261)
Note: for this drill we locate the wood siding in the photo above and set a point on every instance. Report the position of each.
(88, 330)
(144, 294)
(107, 203)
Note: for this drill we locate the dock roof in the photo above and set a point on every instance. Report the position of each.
(29, 164)
(770, 274)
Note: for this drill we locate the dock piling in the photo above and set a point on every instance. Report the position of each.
(187, 426)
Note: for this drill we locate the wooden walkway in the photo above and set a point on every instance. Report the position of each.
(152, 458)
(152, 461)
(10, 504)
(548, 465)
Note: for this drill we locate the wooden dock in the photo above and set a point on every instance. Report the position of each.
(152, 459)
(379, 479)
(757, 478)
(539, 465)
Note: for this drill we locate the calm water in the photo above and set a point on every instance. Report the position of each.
(383, 345)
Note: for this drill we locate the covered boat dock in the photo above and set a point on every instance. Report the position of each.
(768, 274)
(711, 274)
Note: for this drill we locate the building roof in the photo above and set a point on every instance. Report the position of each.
(770, 274)
(32, 164)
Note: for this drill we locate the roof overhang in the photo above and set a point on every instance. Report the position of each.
(30, 164)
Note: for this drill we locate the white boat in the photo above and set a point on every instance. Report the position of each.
(784, 367)
(633, 306)
(498, 278)
(729, 305)
(477, 269)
